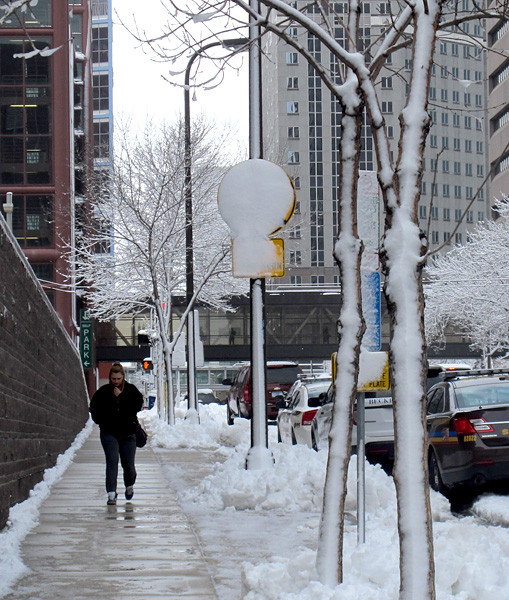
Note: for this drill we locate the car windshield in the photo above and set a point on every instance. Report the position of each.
(282, 375)
(490, 394)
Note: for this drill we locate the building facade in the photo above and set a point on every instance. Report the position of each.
(498, 109)
(45, 125)
(302, 129)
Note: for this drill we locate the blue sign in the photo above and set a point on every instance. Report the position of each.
(371, 309)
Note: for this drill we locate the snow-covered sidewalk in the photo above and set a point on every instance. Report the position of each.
(258, 529)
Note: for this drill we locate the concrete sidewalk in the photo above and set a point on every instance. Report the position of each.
(83, 549)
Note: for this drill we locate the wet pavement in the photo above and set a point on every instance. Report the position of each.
(83, 549)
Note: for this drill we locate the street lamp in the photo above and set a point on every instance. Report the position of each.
(188, 195)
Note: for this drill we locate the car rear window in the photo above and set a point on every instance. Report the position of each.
(483, 395)
(283, 375)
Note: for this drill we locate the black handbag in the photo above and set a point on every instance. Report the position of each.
(141, 435)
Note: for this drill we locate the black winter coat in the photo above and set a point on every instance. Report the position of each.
(116, 414)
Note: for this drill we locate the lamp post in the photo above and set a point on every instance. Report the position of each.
(192, 403)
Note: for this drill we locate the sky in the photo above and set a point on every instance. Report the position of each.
(140, 92)
(268, 520)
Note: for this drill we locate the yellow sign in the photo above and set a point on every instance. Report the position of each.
(382, 384)
(266, 258)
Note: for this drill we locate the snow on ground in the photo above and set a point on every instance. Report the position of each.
(259, 529)
(23, 517)
(464, 546)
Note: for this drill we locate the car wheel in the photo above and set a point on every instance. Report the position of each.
(314, 445)
(435, 479)
(229, 416)
(294, 440)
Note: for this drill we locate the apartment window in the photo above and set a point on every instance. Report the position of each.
(443, 48)
(445, 190)
(292, 31)
(468, 122)
(466, 74)
(445, 119)
(457, 191)
(292, 58)
(433, 164)
(445, 166)
(468, 169)
(457, 214)
(38, 14)
(317, 279)
(433, 115)
(32, 220)
(435, 190)
(433, 141)
(467, 98)
(458, 238)
(443, 95)
(457, 167)
(296, 182)
(423, 188)
(468, 145)
(447, 214)
(387, 108)
(455, 119)
(444, 73)
(466, 52)
(25, 109)
(293, 158)
(455, 97)
(446, 237)
(478, 124)
(390, 132)
(387, 83)
(100, 44)
(295, 279)
(469, 192)
(101, 89)
(434, 237)
(292, 108)
(456, 144)
(455, 72)
(479, 147)
(292, 83)
(293, 132)
(455, 49)
(432, 93)
(480, 215)
(422, 212)
(408, 64)
(434, 213)
(295, 257)
(295, 232)
(101, 139)
(480, 171)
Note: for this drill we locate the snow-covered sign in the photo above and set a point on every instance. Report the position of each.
(373, 371)
(256, 199)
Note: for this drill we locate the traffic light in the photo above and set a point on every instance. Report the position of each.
(147, 364)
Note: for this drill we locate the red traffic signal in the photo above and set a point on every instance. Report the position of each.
(147, 364)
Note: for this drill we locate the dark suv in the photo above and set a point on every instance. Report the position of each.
(468, 429)
(280, 377)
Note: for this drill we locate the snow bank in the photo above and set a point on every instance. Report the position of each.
(24, 516)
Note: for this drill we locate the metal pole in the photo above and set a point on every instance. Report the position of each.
(8, 209)
(259, 455)
(361, 469)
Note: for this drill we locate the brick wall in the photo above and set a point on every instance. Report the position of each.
(43, 398)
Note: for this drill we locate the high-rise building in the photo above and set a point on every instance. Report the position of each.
(302, 129)
(498, 109)
(45, 127)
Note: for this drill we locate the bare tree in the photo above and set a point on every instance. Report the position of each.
(132, 256)
(467, 288)
(351, 71)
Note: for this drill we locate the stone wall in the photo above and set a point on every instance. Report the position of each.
(43, 398)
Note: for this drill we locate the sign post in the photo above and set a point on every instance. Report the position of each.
(86, 339)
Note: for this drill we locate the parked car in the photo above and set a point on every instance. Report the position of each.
(280, 377)
(435, 371)
(468, 429)
(301, 403)
(379, 426)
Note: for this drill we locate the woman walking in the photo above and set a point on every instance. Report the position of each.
(114, 408)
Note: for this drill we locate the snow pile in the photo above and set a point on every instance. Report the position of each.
(24, 516)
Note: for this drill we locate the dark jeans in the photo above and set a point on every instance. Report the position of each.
(113, 448)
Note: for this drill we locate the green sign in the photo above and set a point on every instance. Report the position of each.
(86, 339)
